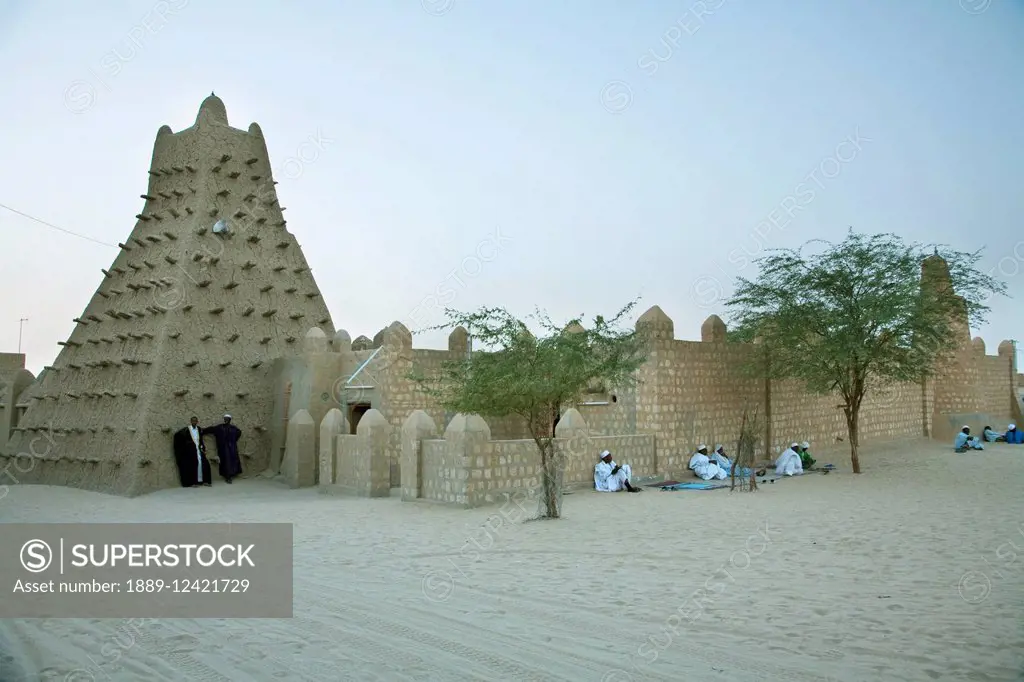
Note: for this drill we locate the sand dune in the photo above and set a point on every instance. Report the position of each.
(820, 578)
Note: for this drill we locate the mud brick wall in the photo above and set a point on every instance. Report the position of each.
(889, 413)
(444, 473)
(501, 468)
(637, 451)
(186, 319)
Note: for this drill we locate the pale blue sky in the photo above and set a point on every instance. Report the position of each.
(442, 128)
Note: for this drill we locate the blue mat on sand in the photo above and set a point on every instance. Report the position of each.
(695, 486)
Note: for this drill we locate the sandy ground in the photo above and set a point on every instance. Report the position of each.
(913, 570)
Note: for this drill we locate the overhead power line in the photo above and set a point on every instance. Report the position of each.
(56, 227)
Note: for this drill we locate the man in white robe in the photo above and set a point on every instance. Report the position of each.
(190, 455)
(610, 477)
(197, 439)
(721, 459)
(702, 465)
(965, 441)
(788, 463)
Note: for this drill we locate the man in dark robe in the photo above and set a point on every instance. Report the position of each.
(227, 435)
(190, 454)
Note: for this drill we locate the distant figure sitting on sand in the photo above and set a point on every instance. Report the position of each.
(991, 436)
(727, 465)
(721, 459)
(806, 461)
(610, 477)
(965, 441)
(788, 463)
(1014, 435)
(702, 465)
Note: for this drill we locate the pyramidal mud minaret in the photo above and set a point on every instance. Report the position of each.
(207, 289)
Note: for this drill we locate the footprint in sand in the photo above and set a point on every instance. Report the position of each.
(255, 649)
(289, 647)
(181, 644)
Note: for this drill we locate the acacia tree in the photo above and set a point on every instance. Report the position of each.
(856, 316)
(533, 377)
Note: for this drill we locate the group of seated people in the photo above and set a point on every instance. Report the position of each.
(717, 465)
(610, 477)
(965, 441)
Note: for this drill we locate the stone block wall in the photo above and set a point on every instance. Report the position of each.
(444, 473)
(695, 392)
(10, 363)
(362, 460)
(469, 469)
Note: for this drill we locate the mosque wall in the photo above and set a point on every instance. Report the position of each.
(205, 292)
(470, 468)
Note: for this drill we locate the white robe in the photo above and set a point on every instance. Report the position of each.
(607, 482)
(963, 440)
(789, 463)
(194, 430)
(705, 468)
(723, 462)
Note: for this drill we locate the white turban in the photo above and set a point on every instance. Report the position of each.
(805, 445)
(793, 445)
(965, 426)
(702, 447)
(718, 448)
(227, 416)
(1011, 427)
(604, 454)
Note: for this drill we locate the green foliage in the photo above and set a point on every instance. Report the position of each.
(857, 310)
(520, 374)
(855, 315)
(517, 373)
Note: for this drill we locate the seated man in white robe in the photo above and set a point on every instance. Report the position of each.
(610, 477)
(1014, 435)
(965, 441)
(702, 465)
(721, 459)
(789, 463)
(991, 436)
